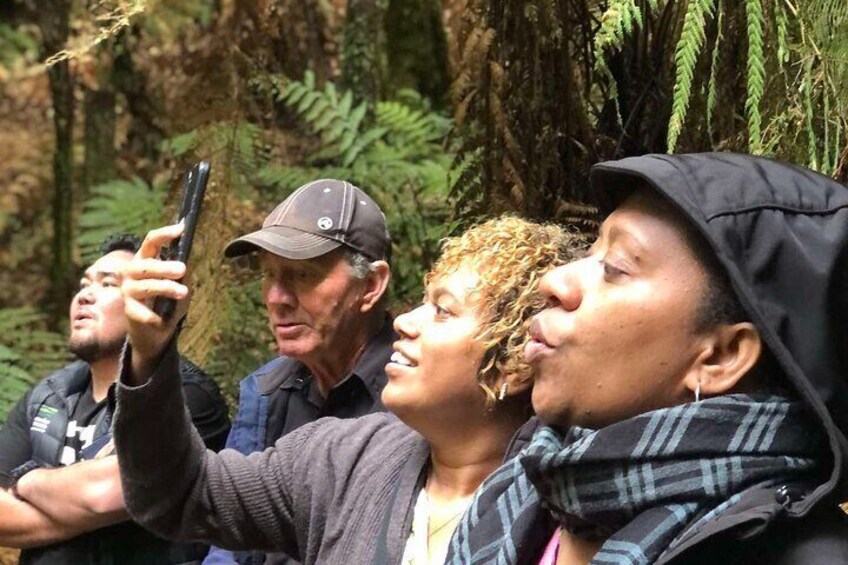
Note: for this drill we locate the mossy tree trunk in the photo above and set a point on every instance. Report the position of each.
(144, 134)
(363, 50)
(53, 21)
(99, 129)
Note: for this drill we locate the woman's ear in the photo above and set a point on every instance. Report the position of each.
(727, 355)
(375, 285)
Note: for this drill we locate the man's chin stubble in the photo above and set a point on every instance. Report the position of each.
(91, 350)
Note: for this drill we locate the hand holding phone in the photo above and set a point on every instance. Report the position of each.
(194, 188)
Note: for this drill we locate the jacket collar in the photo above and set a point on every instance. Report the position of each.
(749, 517)
(71, 379)
(288, 373)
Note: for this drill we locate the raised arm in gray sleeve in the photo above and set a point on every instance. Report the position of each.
(322, 490)
(176, 488)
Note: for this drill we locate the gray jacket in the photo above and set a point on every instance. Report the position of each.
(333, 491)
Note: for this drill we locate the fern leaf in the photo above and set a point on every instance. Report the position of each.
(321, 123)
(807, 90)
(318, 110)
(293, 93)
(180, 144)
(689, 46)
(119, 207)
(346, 142)
(28, 352)
(617, 22)
(335, 133)
(756, 73)
(346, 103)
(307, 101)
(356, 117)
(712, 86)
(361, 143)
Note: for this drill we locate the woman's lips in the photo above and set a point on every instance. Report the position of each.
(538, 345)
(401, 356)
(401, 359)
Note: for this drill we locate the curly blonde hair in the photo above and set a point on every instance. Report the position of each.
(510, 255)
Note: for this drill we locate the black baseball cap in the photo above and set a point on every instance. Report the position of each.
(315, 219)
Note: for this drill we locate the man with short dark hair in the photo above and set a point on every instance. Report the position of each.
(55, 502)
(323, 255)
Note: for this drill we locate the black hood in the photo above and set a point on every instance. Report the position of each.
(781, 233)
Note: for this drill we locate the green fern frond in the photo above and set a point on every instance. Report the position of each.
(409, 129)
(180, 144)
(756, 73)
(712, 86)
(399, 158)
(286, 177)
(119, 207)
(28, 352)
(233, 146)
(807, 93)
(617, 22)
(689, 46)
(782, 25)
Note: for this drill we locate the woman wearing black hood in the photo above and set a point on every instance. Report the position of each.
(690, 378)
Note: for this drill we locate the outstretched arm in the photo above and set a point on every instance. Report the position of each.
(172, 485)
(87, 494)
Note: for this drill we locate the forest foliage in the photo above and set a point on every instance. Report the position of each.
(445, 112)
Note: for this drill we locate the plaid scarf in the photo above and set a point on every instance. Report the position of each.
(639, 483)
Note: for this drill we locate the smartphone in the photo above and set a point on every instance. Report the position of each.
(194, 187)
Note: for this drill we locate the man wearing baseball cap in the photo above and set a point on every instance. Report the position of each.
(323, 254)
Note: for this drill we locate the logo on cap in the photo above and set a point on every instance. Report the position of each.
(325, 223)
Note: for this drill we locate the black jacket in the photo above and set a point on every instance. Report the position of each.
(126, 542)
(781, 233)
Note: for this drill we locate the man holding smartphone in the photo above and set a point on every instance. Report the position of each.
(61, 497)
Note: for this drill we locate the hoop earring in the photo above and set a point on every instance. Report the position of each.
(502, 393)
(698, 392)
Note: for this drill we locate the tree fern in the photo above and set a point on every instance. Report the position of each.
(28, 352)
(756, 73)
(334, 118)
(689, 46)
(233, 145)
(399, 158)
(119, 207)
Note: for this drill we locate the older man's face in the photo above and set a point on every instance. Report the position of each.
(314, 305)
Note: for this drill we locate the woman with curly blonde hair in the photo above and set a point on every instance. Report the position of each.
(384, 488)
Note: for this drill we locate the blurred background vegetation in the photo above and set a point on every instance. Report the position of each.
(445, 111)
